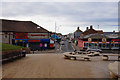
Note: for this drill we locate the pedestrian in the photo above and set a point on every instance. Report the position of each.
(41, 46)
(76, 43)
(23, 52)
(45, 46)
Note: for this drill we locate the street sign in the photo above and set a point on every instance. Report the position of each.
(104, 40)
(89, 39)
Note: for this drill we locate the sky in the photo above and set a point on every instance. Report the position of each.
(67, 15)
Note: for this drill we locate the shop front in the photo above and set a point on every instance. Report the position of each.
(20, 42)
(39, 44)
(102, 45)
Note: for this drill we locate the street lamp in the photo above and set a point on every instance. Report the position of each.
(97, 38)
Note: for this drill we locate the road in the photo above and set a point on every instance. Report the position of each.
(67, 47)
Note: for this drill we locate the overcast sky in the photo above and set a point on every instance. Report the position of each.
(68, 15)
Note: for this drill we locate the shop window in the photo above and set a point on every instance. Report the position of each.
(103, 45)
(112, 45)
(85, 44)
(100, 45)
(108, 45)
(95, 44)
(90, 45)
(116, 45)
(5, 35)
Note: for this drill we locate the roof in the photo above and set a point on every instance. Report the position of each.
(92, 31)
(89, 31)
(96, 36)
(20, 26)
(100, 31)
(78, 30)
(108, 33)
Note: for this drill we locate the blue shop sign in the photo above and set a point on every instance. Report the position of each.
(21, 40)
(44, 40)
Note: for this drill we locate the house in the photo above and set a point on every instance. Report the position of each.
(101, 41)
(77, 33)
(91, 31)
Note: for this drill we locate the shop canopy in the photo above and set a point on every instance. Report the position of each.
(54, 36)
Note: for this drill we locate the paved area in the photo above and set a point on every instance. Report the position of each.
(55, 66)
(51, 64)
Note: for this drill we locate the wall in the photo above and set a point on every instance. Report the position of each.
(77, 34)
(7, 37)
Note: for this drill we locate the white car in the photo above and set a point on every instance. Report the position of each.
(97, 50)
(62, 43)
(69, 41)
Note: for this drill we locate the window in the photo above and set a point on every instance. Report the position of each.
(103, 45)
(5, 35)
(108, 45)
(90, 45)
(112, 45)
(116, 45)
(100, 45)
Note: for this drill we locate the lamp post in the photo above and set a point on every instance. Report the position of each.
(55, 35)
(97, 38)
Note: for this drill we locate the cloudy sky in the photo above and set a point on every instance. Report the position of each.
(67, 15)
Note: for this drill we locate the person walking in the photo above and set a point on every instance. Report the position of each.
(45, 46)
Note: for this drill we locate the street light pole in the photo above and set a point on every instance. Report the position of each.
(55, 35)
(97, 37)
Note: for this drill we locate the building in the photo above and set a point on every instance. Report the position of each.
(77, 33)
(91, 31)
(70, 36)
(92, 38)
(101, 41)
(24, 33)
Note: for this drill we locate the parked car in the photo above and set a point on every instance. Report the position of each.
(62, 43)
(97, 50)
(69, 41)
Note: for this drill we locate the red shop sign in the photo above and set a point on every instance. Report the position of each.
(33, 40)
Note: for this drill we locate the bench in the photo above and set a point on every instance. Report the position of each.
(106, 56)
(113, 68)
(73, 56)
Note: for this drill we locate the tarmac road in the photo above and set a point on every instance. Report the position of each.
(67, 47)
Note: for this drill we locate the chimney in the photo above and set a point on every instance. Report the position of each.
(113, 31)
(91, 27)
(78, 28)
(87, 28)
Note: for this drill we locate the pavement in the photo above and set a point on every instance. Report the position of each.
(55, 66)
